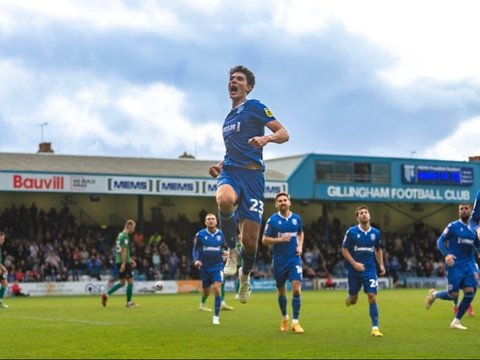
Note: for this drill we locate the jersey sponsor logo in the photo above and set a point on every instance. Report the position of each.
(280, 234)
(211, 248)
(235, 127)
(465, 241)
(268, 112)
(364, 248)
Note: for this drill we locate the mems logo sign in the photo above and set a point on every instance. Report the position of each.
(130, 185)
(177, 187)
(209, 187)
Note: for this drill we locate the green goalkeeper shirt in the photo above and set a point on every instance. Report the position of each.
(122, 242)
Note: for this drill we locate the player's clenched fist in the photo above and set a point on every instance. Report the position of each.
(215, 170)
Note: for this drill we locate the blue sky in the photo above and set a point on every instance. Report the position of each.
(148, 78)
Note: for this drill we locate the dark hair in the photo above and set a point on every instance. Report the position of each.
(248, 74)
(465, 204)
(210, 214)
(282, 193)
(360, 208)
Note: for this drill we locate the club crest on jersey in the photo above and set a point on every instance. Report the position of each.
(294, 221)
(268, 112)
(219, 238)
(240, 109)
(372, 236)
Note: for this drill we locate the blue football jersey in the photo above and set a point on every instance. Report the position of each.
(241, 124)
(361, 245)
(208, 248)
(276, 226)
(458, 240)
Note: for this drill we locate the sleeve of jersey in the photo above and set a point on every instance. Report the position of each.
(124, 241)
(262, 113)
(195, 253)
(441, 241)
(300, 227)
(379, 242)
(223, 238)
(269, 230)
(346, 240)
(476, 243)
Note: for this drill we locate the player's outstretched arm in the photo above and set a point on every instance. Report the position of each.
(279, 135)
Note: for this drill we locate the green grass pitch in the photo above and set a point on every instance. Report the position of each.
(170, 326)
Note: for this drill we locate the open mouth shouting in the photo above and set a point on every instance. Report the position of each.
(233, 89)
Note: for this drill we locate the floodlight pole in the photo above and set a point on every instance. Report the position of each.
(42, 125)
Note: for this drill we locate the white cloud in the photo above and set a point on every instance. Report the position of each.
(157, 114)
(149, 15)
(88, 115)
(462, 143)
(430, 39)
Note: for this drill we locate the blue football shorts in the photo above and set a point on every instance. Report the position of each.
(291, 271)
(210, 276)
(357, 279)
(250, 188)
(460, 276)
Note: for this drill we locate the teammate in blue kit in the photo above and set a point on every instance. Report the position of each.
(284, 231)
(207, 256)
(470, 310)
(241, 181)
(457, 244)
(361, 246)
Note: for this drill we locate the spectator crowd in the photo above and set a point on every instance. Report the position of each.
(52, 246)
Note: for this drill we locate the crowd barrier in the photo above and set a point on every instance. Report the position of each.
(75, 288)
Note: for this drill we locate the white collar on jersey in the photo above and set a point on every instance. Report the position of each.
(216, 230)
(243, 103)
(283, 217)
(365, 232)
